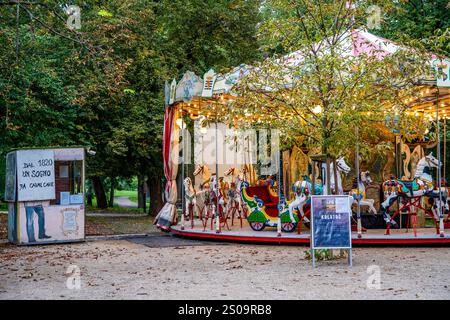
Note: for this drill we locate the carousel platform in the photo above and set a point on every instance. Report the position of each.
(372, 237)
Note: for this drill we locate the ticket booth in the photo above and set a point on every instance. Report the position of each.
(45, 194)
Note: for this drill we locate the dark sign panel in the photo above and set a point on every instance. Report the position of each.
(331, 226)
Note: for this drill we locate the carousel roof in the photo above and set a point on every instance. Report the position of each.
(192, 89)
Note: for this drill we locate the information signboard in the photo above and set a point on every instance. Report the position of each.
(330, 223)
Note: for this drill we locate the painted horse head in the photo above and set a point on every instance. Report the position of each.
(198, 169)
(432, 161)
(187, 182)
(342, 165)
(365, 177)
(229, 172)
(188, 185)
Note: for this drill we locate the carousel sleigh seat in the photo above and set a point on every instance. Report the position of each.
(265, 194)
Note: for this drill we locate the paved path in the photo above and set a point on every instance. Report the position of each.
(125, 202)
(115, 215)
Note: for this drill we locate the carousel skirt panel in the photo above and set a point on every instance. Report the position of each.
(372, 237)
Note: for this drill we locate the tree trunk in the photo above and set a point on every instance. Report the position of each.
(144, 195)
(111, 192)
(89, 193)
(156, 201)
(99, 192)
(141, 197)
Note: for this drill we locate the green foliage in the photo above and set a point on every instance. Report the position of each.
(329, 94)
(102, 85)
(417, 19)
(325, 254)
(199, 35)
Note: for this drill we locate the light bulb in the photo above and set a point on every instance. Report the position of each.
(180, 123)
(317, 109)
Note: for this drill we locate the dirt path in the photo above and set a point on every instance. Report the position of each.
(125, 202)
(122, 269)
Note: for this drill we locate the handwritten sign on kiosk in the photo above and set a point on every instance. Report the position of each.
(35, 175)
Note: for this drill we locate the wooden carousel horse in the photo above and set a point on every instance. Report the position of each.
(190, 198)
(302, 189)
(202, 170)
(202, 194)
(235, 204)
(412, 192)
(360, 189)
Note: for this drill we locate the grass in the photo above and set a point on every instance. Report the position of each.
(114, 209)
(119, 225)
(131, 194)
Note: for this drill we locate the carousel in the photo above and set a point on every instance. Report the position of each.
(226, 183)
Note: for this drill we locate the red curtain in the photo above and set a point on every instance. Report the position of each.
(167, 216)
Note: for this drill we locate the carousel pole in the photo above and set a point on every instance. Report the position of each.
(358, 212)
(280, 199)
(182, 172)
(445, 145)
(441, 215)
(217, 183)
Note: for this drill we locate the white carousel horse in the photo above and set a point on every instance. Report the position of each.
(364, 178)
(342, 166)
(302, 189)
(421, 185)
(190, 198)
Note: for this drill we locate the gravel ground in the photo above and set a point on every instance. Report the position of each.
(122, 269)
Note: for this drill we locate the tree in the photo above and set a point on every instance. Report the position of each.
(416, 19)
(198, 35)
(102, 85)
(322, 90)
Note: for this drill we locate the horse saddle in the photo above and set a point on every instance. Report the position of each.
(408, 186)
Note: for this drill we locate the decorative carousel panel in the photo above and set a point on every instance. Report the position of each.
(224, 83)
(189, 86)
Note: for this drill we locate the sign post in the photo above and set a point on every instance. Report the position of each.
(330, 224)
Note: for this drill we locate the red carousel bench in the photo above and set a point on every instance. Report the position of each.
(265, 194)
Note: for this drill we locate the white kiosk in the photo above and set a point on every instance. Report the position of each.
(45, 194)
